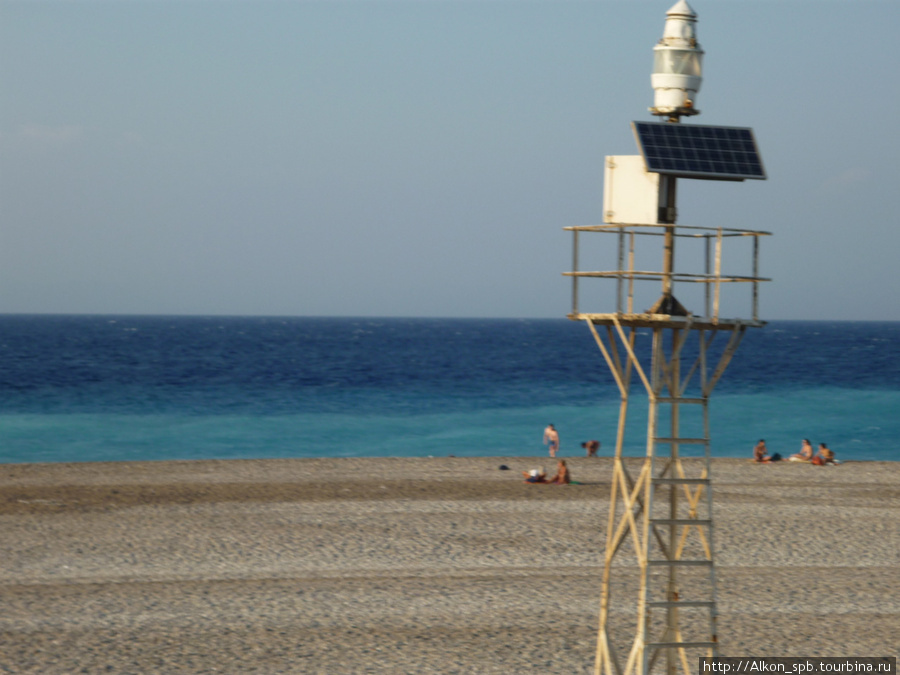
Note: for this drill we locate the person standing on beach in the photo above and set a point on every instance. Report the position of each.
(591, 447)
(551, 439)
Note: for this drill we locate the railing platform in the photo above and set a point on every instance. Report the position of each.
(664, 321)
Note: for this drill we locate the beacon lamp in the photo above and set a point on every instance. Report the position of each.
(677, 61)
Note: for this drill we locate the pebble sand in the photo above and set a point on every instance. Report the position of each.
(414, 565)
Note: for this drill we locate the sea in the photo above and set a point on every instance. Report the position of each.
(126, 388)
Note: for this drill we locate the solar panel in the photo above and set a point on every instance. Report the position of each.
(696, 151)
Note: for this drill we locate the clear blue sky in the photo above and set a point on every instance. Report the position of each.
(420, 158)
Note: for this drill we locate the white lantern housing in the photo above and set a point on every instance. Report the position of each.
(677, 64)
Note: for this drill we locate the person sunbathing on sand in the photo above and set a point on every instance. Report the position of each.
(805, 454)
(535, 476)
(562, 476)
(759, 452)
(825, 455)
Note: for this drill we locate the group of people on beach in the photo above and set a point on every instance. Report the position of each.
(824, 456)
(562, 476)
(551, 440)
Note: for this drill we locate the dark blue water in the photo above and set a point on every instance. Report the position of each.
(75, 388)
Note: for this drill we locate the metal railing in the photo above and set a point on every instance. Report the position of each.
(626, 275)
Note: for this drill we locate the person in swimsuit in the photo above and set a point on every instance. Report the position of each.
(551, 439)
(535, 476)
(826, 453)
(805, 454)
(562, 477)
(591, 447)
(759, 452)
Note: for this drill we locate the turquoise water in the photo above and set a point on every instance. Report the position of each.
(154, 388)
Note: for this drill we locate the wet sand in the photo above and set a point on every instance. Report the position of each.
(444, 565)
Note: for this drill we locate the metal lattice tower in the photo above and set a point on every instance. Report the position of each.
(662, 501)
(659, 536)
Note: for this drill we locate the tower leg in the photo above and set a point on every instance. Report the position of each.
(666, 510)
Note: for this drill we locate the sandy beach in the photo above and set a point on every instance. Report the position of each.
(431, 565)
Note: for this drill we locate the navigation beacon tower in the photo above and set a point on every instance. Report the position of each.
(658, 601)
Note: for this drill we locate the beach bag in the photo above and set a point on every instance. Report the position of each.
(818, 461)
(775, 458)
